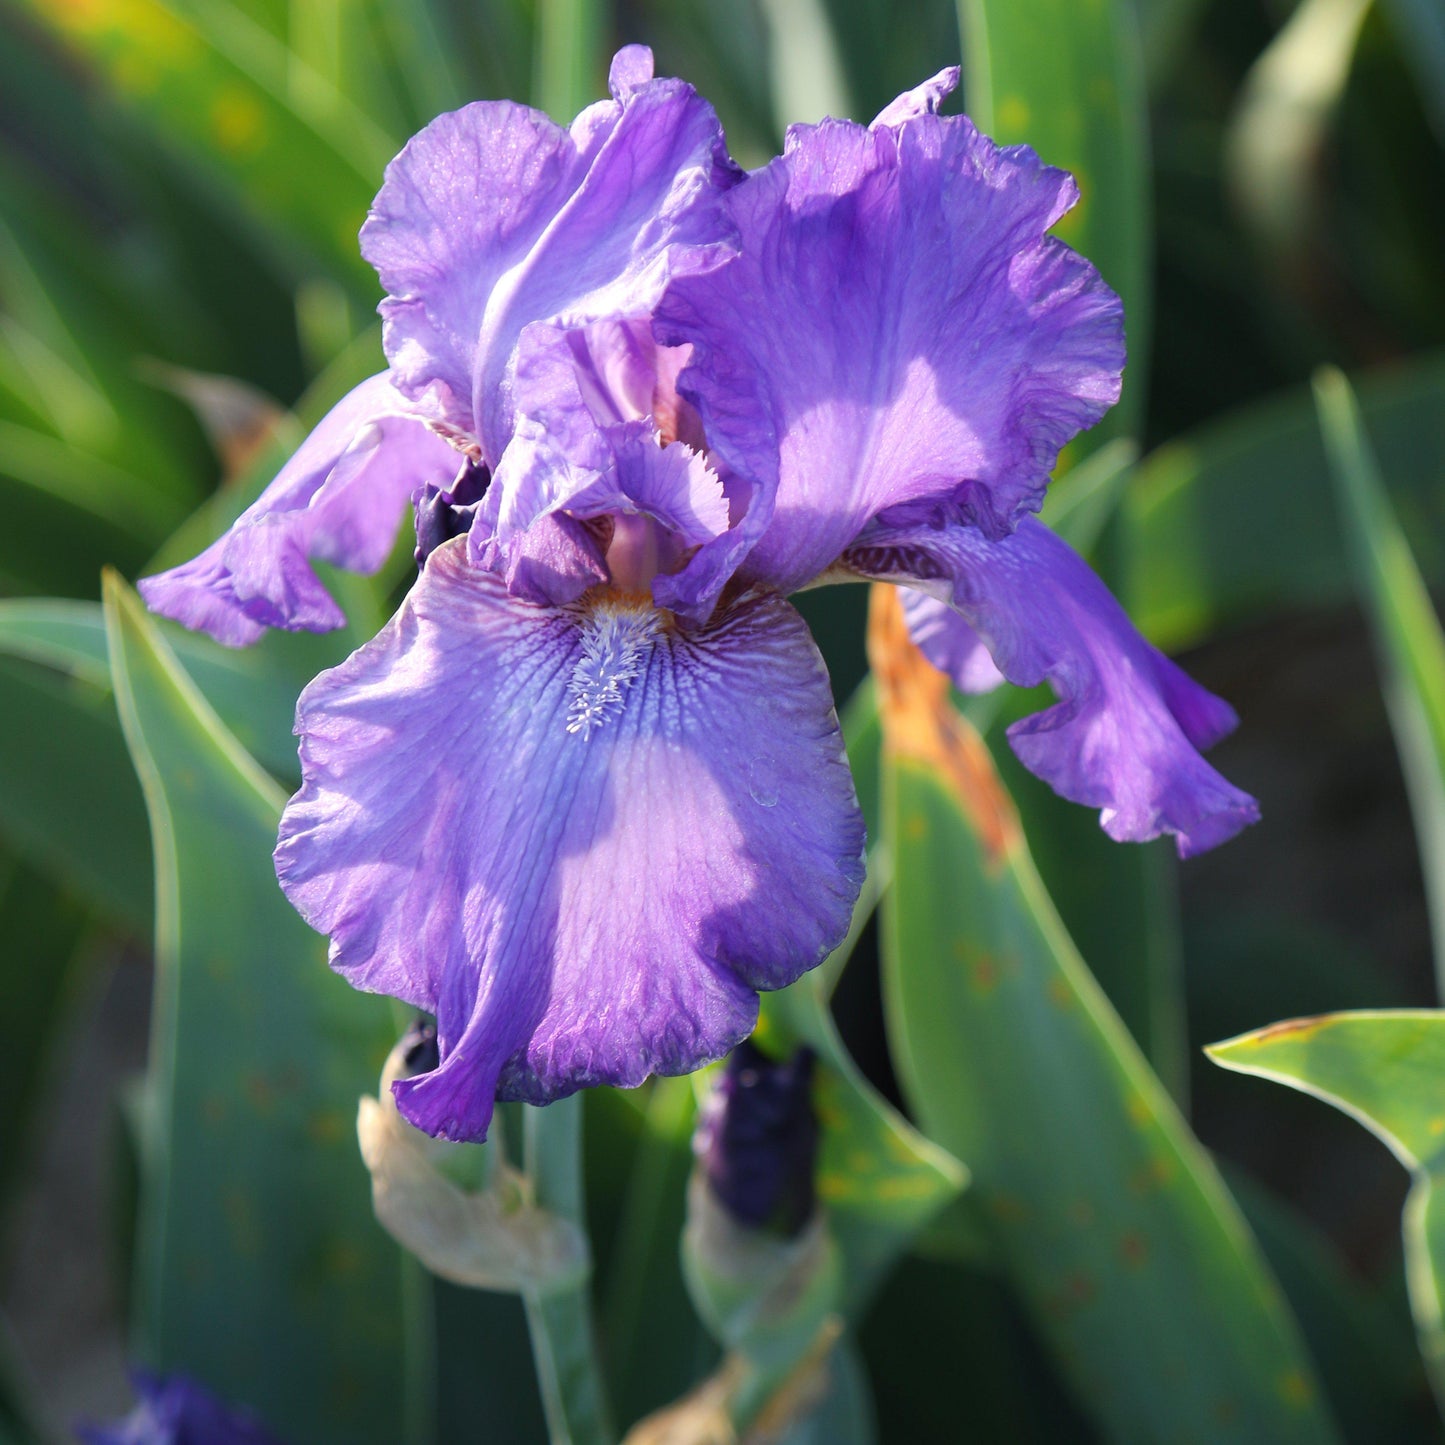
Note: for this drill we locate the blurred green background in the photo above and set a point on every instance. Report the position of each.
(181, 182)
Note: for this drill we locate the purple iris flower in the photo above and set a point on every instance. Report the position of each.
(175, 1410)
(585, 795)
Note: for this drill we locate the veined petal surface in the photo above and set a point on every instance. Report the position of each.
(494, 217)
(1125, 733)
(897, 335)
(339, 500)
(583, 836)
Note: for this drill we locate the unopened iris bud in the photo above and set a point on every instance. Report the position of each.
(759, 1258)
(460, 1208)
(758, 1140)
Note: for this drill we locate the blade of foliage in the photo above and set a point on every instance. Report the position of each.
(18, 1423)
(254, 690)
(42, 930)
(1079, 101)
(1420, 27)
(299, 158)
(68, 798)
(261, 1270)
(656, 1346)
(1408, 638)
(806, 69)
(1110, 1220)
(1165, 27)
(1220, 528)
(571, 55)
(1361, 1343)
(1384, 1070)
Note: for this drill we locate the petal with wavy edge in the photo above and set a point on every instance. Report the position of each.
(1125, 733)
(494, 217)
(339, 499)
(899, 333)
(578, 904)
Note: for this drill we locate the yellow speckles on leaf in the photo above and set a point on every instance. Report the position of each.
(984, 974)
(1012, 115)
(1059, 993)
(343, 1258)
(915, 827)
(1133, 1249)
(237, 121)
(1008, 1209)
(328, 1127)
(1436, 1126)
(1295, 1390)
(1138, 1109)
(1158, 1173)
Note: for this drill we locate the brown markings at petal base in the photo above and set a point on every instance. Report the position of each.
(920, 722)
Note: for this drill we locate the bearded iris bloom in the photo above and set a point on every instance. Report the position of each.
(585, 795)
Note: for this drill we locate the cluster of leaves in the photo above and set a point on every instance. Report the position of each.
(180, 187)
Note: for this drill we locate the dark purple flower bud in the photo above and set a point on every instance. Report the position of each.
(175, 1410)
(446, 512)
(758, 1140)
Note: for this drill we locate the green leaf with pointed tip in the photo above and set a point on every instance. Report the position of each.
(1408, 638)
(68, 797)
(1079, 101)
(1222, 524)
(260, 1267)
(224, 91)
(1385, 1070)
(1106, 1214)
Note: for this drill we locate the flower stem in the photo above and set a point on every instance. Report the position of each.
(559, 1320)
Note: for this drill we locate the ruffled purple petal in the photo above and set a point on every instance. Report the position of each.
(921, 100)
(583, 836)
(494, 217)
(339, 500)
(1125, 732)
(898, 335)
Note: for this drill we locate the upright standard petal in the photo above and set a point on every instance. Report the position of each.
(898, 333)
(1125, 733)
(494, 217)
(339, 500)
(583, 836)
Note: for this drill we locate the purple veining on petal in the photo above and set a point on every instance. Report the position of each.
(1125, 732)
(578, 835)
(494, 218)
(898, 330)
(339, 500)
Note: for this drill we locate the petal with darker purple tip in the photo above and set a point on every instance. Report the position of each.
(494, 218)
(898, 331)
(1125, 733)
(583, 836)
(339, 499)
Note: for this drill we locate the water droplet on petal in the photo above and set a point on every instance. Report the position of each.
(763, 780)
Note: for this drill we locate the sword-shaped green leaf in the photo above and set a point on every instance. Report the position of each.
(261, 1270)
(1408, 639)
(1387, 1070)
(1067, 78)
(1108, 1217)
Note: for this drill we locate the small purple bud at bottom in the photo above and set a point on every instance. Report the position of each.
(758, 1140)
